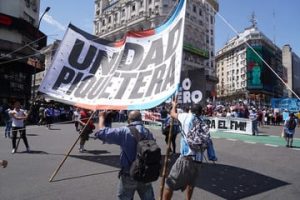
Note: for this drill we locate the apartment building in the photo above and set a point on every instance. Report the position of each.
(113, 18)
(19, 21)
(292, 63)
(241, 71)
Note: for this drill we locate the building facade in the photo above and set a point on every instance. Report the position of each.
(113, 18)
(18, 32)
(243, 74)
(48, 53)
(292, 63)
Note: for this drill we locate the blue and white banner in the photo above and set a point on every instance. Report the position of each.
(139, 72)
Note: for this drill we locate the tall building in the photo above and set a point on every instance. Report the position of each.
(113, 18)
(48, 52)
(19, 21)
(292, 63)
(241, 71)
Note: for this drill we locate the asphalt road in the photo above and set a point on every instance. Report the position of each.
(249, 167)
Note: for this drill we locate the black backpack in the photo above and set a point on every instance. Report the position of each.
(146, 167)
(291, 124)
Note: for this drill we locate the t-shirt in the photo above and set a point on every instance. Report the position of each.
(185, 120)
(76, 115)
(18, 122)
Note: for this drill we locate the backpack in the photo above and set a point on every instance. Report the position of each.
(291, 124)
(146, 167)
(198, 135)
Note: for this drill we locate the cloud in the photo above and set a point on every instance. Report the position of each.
(50, 20)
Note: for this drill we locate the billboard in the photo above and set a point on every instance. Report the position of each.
(259, 76)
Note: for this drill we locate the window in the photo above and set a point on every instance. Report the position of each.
(27, 3)
(109, 19)
(194, 8)
(28, 18)
(200, 12)
(103, 22)
(133, 8)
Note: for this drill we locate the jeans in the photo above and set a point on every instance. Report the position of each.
(8, 128)
(127, 186)
(211, 154)
(254, 127)
(22, 135)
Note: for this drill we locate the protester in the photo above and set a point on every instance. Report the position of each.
(8, 122)
(289, 129)
(86, 128)
(109, 117)
(3, 163)
(166, 125)
(253, 118)
(48, 114)
(122, 115)
(184, 172)
(18, 117)
(41, 115)
(76, 117)
(122, 136)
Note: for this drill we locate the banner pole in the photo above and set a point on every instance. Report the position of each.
(70, 150)
(166, 161)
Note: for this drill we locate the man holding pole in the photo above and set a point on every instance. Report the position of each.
(184, 172)
(122, 136)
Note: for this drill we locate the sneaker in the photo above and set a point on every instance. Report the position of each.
(214, 159)
(28, 150)
(13, 151)
(82, 150)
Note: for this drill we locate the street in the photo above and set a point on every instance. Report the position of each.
(248, 167)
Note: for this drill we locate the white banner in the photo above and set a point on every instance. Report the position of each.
(139, 72)
(230, 124)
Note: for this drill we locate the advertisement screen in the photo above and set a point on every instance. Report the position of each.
(259, 76)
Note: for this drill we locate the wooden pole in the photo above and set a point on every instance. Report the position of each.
(18, 143)
(70, 150)
(166, 161)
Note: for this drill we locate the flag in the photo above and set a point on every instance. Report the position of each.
(139, 72)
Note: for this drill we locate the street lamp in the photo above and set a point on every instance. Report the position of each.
(35, 64)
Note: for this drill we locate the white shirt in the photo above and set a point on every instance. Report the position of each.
(76, 115)
(18, 122)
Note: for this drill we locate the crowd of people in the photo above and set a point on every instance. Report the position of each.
(184, 172)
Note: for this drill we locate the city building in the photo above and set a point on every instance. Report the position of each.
(292, 63)
(20, 41)
(48, 52)
(241, 71)
(113, 18)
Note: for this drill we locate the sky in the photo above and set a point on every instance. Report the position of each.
(277, 19)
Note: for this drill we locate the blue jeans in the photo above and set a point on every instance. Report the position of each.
(211, 154)
(8, 125)
(127, 186)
